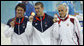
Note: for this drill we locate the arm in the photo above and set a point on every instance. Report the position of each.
(29, 28)
(9, 28)
(8, 31)
(78, 31)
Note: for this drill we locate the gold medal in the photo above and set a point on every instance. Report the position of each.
(33, 14)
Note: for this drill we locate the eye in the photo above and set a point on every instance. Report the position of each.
(61, 10)
(37, 8)
(21, 10)
(18, 10)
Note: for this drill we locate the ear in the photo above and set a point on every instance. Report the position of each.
(43, 8)
(24, 11)
(66, 10)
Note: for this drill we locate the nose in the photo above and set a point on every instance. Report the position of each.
(60, 12)
(36, 10)
(19, 11)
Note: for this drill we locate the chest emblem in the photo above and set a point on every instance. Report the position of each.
(23, 25)
(35, 23)
(46, 24)
(67, 24)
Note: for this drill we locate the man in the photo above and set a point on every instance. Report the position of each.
(16, 26)
(69, 27)
(40, 32)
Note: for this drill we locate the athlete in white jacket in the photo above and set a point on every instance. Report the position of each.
(16, 27)
(70, 32)
(40, 30)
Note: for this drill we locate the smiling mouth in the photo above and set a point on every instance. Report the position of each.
(61, 14)
(19, 13)
(37, 12)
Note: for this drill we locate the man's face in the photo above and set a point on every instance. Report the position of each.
(62, 11)
(20, 12)
(39, 9)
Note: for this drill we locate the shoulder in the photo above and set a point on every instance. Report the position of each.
(8, 23)
(48, 16)
(73, 17)
(26, 18)
(10, 19)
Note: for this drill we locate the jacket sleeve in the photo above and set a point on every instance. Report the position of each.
(29, 28)
(78, 30)
(8, 31)
(56, 33)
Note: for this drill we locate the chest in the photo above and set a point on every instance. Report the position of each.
(19, 29)
(42, 25)
(66, 24)
(66, 28)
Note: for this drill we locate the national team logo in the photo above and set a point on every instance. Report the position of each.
(67, 24)
(23, 25)
(59, 25)
(35, 23)
(45, 24)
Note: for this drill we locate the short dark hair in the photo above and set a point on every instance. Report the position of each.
(39, 3)
(20, 5)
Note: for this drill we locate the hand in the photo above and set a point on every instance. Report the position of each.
(31, 18)
(55, 18)
(12, 23)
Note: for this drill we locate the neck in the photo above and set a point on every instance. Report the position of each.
(42, 14)
(63, 17)
(19, 17)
